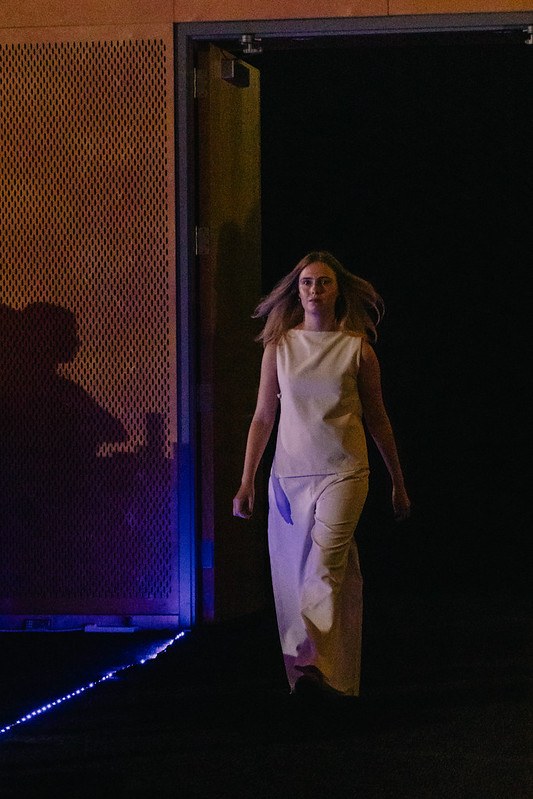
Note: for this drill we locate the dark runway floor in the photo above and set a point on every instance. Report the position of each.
(445, 711)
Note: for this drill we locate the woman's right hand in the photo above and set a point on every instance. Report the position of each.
(243, 502)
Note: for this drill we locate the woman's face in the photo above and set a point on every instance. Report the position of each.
(318, 289)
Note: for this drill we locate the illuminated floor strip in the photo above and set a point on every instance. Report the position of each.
(79, 691)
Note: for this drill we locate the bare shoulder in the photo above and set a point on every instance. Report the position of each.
(369, 368)
(269, 367)
(269, 355)
(368, 352)
(267, 397)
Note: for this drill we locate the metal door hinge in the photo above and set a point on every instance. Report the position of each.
(250, 44)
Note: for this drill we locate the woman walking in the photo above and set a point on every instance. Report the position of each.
(320, 370)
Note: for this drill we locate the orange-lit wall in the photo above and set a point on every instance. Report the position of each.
(55, 13)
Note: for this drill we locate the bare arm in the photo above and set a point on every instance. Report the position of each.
(380, 428)
(259, 432)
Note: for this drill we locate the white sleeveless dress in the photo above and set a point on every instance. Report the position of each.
(318, 486)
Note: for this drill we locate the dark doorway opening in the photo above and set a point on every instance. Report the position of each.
(406, 156)
(402, 145)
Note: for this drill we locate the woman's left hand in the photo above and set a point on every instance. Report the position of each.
(401, 504)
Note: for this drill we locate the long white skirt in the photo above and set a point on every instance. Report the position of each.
(316, 577)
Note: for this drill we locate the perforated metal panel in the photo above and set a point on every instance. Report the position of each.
(87, 326)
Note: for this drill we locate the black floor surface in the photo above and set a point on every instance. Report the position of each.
(445, 711)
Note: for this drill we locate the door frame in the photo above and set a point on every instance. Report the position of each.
(186, 37)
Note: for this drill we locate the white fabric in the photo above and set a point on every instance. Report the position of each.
(318, 487)
(320, 427)
(316, 579)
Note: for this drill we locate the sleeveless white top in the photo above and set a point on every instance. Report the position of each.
(320, 427)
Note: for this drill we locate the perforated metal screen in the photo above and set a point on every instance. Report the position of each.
(87, 326)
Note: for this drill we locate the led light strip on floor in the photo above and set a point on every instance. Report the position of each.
(109, 676)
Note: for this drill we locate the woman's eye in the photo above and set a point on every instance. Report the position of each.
(324, 282)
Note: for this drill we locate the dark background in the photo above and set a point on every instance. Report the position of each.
(409, 159)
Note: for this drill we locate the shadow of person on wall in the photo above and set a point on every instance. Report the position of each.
(9, 339)
(51, 429)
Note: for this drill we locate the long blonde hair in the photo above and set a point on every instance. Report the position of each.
(359, 307)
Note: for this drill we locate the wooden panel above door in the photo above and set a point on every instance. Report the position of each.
(50, 14)
(412, 7)
(202, 10)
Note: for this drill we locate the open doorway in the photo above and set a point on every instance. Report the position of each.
(405, 154)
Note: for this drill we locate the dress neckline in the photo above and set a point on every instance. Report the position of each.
(320, 332)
